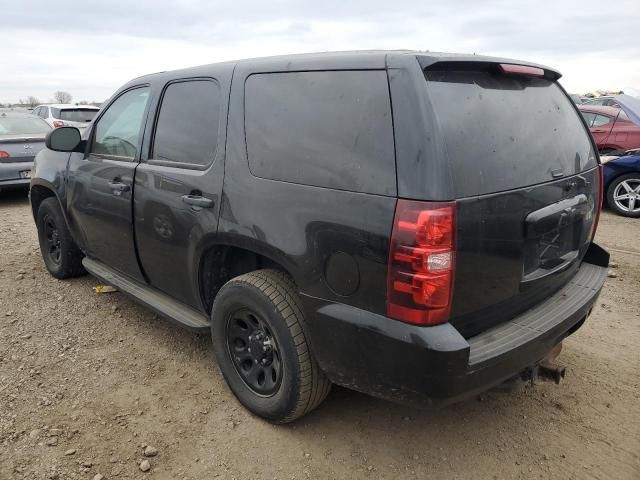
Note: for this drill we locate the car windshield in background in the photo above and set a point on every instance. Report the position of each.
(22, 125)
(75, 115)
(504, 132)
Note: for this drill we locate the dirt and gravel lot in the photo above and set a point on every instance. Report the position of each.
(87, 381)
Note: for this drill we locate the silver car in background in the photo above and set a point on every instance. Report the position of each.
(21, 138)
(66, 115)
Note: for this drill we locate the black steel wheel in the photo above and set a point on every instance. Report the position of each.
(61, 256)
(254, 351)
(53, 250)
(260, 340)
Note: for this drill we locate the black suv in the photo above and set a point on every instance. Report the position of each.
(415, 226)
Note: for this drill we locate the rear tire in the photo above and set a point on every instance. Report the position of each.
(259, 338)
(629, 186)
(61, 255)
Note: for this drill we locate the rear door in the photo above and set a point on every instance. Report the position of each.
(178, 186)
(101, 182)
(523, 173)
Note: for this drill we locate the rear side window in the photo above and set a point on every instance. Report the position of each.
(187, 127)
(327, 129)
(503, 132)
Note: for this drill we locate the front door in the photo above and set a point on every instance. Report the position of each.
(178, 187)
(101, 182)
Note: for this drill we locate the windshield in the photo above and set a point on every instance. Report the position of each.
(22, 125)
(504, 132)
(75, 115)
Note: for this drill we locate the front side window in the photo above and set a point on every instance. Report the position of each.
(118, 131)
(187, 127)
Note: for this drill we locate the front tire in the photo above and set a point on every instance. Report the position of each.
(61, 255)
(259, 338)
(623, 195)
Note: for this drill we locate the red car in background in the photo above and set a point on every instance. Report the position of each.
(611, 128)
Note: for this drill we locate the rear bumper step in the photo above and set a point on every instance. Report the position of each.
(543, 318)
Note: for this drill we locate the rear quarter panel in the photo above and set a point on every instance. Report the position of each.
(302, 227)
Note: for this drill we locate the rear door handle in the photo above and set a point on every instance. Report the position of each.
(119, 187)
(198, 201)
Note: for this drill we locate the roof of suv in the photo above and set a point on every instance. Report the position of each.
(364, 59)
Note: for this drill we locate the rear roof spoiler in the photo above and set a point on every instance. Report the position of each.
(473, 62)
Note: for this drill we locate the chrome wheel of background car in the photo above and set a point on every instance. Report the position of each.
(53, 240)
(627, 195)
(254, 352)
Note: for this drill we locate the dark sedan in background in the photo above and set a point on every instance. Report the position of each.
(21, 137)
(622, 183)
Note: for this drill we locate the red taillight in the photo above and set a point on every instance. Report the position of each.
(421, 262)
(4, 154)
(58, 124)
(511, 69)
(600, 200)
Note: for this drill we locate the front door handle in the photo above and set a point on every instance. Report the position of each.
(119, 186)
(198, 201)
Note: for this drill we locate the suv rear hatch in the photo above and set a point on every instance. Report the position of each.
(527, 187)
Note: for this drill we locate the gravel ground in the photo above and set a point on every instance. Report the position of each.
(88, 381)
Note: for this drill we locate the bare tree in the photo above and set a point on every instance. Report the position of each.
(32, 101)
(62, 97)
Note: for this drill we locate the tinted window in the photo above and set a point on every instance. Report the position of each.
(22, 125)
(601, 120)
(328, 129)
(503, 132)
(187, 127)
(78, 114)
(118, 130)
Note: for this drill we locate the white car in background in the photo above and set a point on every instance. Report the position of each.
(66, 115)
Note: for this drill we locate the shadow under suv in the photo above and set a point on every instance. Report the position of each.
(415, 226)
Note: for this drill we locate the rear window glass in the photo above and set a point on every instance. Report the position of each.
(327, 129)
(22, 125)
(503, 132)
(75, 115)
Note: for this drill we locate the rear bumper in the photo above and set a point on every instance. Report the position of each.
(434, 366)
(10, 174)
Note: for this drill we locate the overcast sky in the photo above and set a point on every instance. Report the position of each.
(89, 48)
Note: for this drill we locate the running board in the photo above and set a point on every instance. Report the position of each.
(158, 302)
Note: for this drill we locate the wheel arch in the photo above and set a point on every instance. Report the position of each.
(221, 262)
(38, 192)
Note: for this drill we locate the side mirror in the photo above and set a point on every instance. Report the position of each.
(63, 139)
